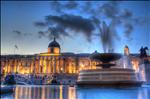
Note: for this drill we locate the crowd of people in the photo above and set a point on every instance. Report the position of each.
(39, 79)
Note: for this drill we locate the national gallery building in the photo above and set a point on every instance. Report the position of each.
(53, 61)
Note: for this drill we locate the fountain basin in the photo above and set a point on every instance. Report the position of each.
(106, 57)
(108, 77)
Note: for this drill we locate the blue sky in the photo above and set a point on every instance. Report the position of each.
(21, 15)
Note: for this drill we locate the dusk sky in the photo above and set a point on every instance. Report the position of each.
(31, 26)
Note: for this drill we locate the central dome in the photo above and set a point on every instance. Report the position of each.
(54, 44)
(54, 47)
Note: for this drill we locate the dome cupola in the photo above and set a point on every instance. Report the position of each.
(54, 47)
(54, 43)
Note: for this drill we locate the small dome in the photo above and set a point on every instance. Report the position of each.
(126, 46)
(54, 44)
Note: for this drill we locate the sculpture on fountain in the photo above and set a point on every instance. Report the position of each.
(143, 52)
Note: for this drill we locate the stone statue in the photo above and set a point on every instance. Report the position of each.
(143, 52)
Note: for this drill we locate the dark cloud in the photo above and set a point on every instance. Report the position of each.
(17, 32)
(88, 8)
(40, 24)
(60, 24)
(41, 34)
(121, 18)
(57, 32)
(61, 7)
(128, 29)
(53, 31)
(56, 6)
(73, 22)
(126, 14)
(142, 20)
(63, 20)
(71, 5)
(110, 9)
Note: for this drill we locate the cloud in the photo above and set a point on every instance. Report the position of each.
(73, 22)
(71, 5)
(128, 29)
(17, 32)
(41, 34)
(61, 7)
(56, 6)
(110, 9)
(126, 14)
(60, 24)
(86, 17)
(40, 24)
(57, 32)
(53, 31)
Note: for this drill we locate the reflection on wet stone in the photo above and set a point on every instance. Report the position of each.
(45, 92)
(66, 92)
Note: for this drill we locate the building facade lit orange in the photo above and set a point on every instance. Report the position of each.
(53, 61)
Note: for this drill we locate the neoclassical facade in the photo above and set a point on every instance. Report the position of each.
(53, 61)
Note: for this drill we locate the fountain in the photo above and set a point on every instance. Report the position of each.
(106, 58)
(106, 75)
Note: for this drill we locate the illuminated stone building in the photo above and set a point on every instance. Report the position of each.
(54, 61)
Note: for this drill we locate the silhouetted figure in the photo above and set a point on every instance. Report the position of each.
(143, 52)
(10, 80)
(54, 80)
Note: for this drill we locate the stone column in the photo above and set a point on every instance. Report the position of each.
(17, 65)
(42, 65)
(6, 64)
(36, 65)
(77, 64)
(63, 65)
(59, 67)
(57, 64)
(54, 64)
(51, 64)
(10, 64)
(48, 64)
(32, 65)
(56, 68)
(33, 61)
(39, 64)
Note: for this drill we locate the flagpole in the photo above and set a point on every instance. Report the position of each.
(14, 50)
